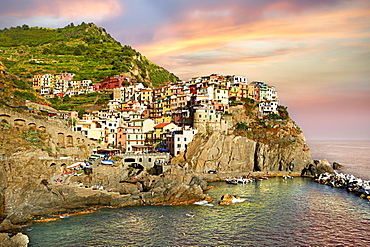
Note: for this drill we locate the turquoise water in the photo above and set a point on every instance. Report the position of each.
(277, 212)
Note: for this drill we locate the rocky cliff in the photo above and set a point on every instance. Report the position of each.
(250, 144)
(29, 189)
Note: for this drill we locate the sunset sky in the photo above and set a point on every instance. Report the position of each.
(315, 52)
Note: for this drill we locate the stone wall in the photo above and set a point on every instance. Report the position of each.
(63, 138)
(146, 160)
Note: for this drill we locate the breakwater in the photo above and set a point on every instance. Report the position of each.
(349, 182)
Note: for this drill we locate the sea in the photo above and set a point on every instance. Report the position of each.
(272, 212)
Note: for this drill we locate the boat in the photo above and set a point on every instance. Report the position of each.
(231, 181)
(244, 180)
(107, 162)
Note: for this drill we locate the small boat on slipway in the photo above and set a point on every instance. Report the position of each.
(107, 162)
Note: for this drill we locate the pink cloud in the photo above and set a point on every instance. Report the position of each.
(69, 10)
(210, 29)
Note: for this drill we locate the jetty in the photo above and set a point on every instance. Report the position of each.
(349, 182)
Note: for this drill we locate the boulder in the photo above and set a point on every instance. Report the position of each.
(18, 240)
(337, 166)
(318, 167)
(228, 199)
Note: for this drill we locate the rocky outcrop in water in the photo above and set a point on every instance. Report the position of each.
(317, 167)
(18, 240)
(250, 144)
(247, 143)
(232, 153)
(346, 181)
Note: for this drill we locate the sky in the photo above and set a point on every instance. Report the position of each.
(315, 52)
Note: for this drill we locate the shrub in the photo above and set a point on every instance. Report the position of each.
(241, 126)
(283, 112)
(25, 95)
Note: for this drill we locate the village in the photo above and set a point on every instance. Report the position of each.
(139, 119)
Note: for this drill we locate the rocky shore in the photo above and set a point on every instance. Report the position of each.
(349, 182)
(33, 189)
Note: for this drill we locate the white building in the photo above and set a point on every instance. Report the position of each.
(268, 107)
(178, 141)
(221, 96)
(238, 79)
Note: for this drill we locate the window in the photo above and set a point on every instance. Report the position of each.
(184, 139)
(179, 145)
(178, 139)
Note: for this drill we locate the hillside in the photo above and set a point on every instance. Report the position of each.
(86, 50)
(14, 92)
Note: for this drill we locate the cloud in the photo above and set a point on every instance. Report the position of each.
(208, 30)
(54, 13)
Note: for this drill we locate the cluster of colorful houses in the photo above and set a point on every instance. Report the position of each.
(139, 118)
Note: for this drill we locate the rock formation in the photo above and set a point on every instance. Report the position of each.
(316, 168)
(229, 199)
(232, 153)
(18, 240)
(261, 145)
(27, 189)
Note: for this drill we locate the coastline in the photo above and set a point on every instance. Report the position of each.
(354, 155)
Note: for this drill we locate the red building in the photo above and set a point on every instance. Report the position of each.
(193, 89)
(112, 82)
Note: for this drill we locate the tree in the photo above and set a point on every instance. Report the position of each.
(25, 27)
(81, 112)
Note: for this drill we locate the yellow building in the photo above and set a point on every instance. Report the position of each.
(161, 130)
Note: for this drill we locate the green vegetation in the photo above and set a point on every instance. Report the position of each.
(241, 126)
(85, 50)
(14, 92)
(282, 114)
(269, 129)
(18, 138)
(81, 102)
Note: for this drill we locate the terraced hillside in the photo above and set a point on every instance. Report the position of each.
(86, 50)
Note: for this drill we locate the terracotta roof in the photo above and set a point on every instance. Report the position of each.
(161, 125)
(127, 110)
